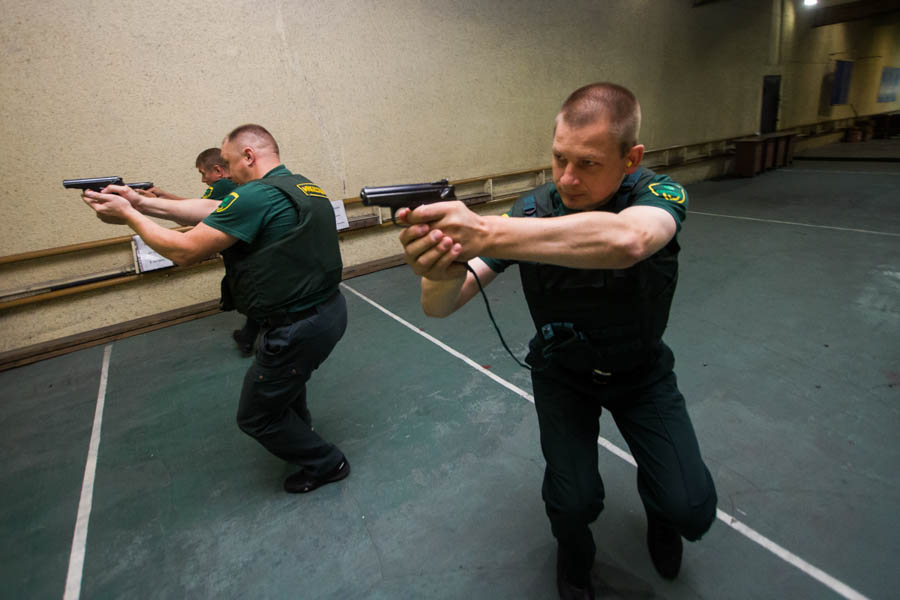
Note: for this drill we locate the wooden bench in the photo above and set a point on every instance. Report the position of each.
(758, 153)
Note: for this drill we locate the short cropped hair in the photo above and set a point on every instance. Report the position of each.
(255, 136)
(209, 158)
(606, 100)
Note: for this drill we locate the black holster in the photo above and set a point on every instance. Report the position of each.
(564, 347)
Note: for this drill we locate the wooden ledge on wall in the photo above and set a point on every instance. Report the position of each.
(30, 354)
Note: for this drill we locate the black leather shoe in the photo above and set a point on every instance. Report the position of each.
(664, 543)
(567, 590)
(244, 346)
(301, 483)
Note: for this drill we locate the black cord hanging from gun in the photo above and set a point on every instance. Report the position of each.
(410, 196)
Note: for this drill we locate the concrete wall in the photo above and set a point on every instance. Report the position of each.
(357, 93)
(809, 56)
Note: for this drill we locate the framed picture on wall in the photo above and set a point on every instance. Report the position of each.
(841, 90)
(890, 82)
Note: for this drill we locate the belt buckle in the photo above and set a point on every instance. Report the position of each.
(600, 377)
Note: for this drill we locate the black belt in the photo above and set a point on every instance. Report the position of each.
(287, 318)
(582, 356)
(601, 377)
(282, 319)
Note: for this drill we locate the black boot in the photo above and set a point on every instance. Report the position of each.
(301, 483)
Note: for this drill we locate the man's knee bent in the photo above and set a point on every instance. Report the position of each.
(253, 423)
(249, 425)
(692, 520)
(699, 521)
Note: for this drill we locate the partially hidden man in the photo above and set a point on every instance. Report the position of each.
(598, 257)
(277, 234)
(213, 172)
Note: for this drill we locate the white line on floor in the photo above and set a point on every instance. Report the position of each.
(838, 172)
(789, 557)
(793, 223)
(444, 346)
(79, 539)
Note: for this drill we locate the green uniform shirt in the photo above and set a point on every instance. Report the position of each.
(259, 215)
(646, 187)
(254, 213)
(219, 189)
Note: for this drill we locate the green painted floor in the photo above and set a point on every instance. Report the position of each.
(786, 329)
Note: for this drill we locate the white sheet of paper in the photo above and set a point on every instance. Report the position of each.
(148, 259)
(340, 215)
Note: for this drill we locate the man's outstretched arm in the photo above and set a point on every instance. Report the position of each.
(184, 248)
(587, 240)
(184, 212)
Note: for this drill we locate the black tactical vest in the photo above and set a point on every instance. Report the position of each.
(621, 312)
(301, 269)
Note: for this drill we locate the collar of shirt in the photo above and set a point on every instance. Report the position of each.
(279, 170)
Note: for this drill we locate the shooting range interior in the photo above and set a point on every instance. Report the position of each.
(125, 475)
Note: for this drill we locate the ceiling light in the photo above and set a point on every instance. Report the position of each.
(810, 2)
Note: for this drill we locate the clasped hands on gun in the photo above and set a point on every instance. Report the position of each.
(108, 208)
(439, 232)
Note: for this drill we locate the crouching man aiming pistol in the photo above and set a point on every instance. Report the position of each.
(597, 254)
(276, 232)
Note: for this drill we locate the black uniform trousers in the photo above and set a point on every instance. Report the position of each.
(674, 484)
(273, 407)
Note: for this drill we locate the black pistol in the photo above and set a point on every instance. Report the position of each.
(141, 185)
(98, 183)
(410, 195)
(91, 183)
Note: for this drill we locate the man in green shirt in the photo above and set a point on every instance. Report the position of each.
(597, 254)
(276, 232)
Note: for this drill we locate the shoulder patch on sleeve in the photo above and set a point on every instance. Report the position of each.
(208, 192)
(227, 201)
(668, 190)
(311, 190)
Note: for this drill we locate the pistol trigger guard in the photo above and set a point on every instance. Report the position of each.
(394, 219)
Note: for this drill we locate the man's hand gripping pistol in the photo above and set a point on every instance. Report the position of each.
(409, 196)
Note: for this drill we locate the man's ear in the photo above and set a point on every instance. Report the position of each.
(633, 158)
(248, 154)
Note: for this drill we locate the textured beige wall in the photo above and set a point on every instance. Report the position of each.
(357, 93)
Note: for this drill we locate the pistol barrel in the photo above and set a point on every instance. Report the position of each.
(91, 183)
(409, 195)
